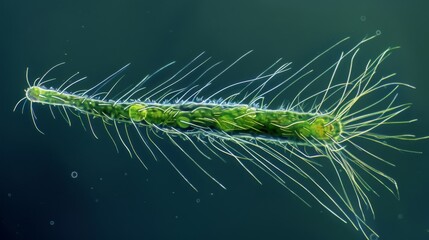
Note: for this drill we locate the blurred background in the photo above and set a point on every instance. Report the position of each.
(68, 185)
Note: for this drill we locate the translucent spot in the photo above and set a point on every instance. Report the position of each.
(92, 188)
(378, 32)
(198, 200)
(173, 192)
(96, 200)
(373, 237)
(101, 179)
(211, 194)
(125, 174)
(400, 216)
(9, 195)
(176, 217)
(363, 18)
(51, 223)
(74, 174)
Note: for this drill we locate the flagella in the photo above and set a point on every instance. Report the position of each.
(313, 143)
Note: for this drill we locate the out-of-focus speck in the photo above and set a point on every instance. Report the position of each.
(176, 217)
(96, 200)
(400, 216)
(74, 174)
(198, 200)
(363, 18)
(211, 194)
(101, 179)
(92, 188)
(9, 195)
(51, 223)
(125, 174)
(378, 32)
(83, 26)
(147, 179)
(65, 54)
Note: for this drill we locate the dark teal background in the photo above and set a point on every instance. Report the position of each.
(114, 197)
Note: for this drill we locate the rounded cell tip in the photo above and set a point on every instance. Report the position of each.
(33, 93)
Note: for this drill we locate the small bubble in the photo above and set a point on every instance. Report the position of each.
(378, 32)
(198, 200)
(74, 174)
(373, 236)
(51, 223)
(363, 18)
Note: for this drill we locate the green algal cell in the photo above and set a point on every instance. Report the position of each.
(309, 143)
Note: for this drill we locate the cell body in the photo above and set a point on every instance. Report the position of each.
(235, 119)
